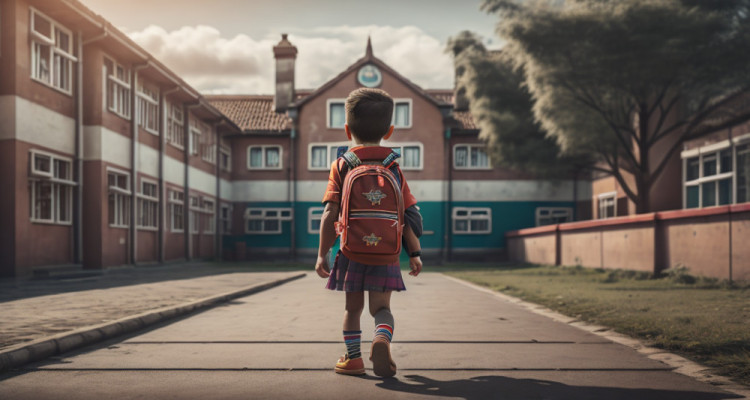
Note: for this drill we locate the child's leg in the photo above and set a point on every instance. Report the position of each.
(380, 308)
(355, 302)
(380, 353)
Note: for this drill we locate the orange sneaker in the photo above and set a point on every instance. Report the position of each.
(380, 355)
(348, 366)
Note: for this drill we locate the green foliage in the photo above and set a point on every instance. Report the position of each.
(601, 82)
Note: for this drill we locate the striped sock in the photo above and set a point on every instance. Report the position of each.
(352, 339)
(384, 331)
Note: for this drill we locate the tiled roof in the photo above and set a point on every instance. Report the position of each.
(252, 113)
(255, 113)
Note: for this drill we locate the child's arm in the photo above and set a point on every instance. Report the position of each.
(327, 238)
(412, 242)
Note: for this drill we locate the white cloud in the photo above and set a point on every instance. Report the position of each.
(215, 64)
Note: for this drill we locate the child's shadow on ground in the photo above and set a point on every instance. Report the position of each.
(500, 387)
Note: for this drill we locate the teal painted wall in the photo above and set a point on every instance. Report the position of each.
(506, 216)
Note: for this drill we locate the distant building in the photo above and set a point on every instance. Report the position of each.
(289, 140)
(108, 158)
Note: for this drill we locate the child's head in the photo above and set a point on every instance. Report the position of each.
(368, 114)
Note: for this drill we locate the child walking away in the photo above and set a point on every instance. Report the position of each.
(369, 205)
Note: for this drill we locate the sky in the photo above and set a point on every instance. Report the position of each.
(225, 46)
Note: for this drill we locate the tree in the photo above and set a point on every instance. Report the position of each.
(502, 108)
(621, 82)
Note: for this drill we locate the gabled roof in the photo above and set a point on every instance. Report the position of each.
(252, 113)
(369, 58)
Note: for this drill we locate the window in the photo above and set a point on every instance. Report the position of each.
(472, 220)
(266, 220)
(709, 176)
(411, 155)
(148, 205)
(743, 173)
(226, 219)
(147, 101)
(119, 198)
(470, 156)
(51, 53)
(323, 154)
(336, 113)
(553, 215)
(195, 210)
(175, 126)
(225, 158)
(195, 135)
(209, 212)
(264, 157)
(314, 216)
(117, 88)
(402, 113)
(208, 144)
(177, 211)
(50, 188)
(607, 205)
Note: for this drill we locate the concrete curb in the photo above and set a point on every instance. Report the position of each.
(40, 349)
(680, 364)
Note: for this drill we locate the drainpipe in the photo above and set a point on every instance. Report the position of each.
(448, 234)
(134, 163)
(78, 205)
(217, 201)
(186, 184)
(292, 196)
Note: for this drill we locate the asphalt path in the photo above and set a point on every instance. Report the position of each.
(450, 341)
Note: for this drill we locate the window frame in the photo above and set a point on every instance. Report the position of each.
(330, 146)
(551, 210)
(713, 150)
(142, 199)
(123, 194)
(209, 215)
(59, 187)
(264, 217)
(173, 109)
(486, 216)
(146, 102)
(225, 223)
(410, 104)
(111, 78)
(469, 146)
(263, 157)
(402, 145)
(602, 197)
(310, 217)
(330, 102)
(176, 198)
(225, 150)
(37, 38)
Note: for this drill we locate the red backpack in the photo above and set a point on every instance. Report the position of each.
(371, 220)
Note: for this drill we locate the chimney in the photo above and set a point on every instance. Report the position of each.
(285, 54)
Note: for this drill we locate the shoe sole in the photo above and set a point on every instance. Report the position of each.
(349, 371)
(382, 365)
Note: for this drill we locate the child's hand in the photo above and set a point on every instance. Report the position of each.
(321, 267)
(415, 263)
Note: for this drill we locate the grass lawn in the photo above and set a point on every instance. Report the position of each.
(705, 320)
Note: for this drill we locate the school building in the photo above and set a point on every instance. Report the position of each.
(109, 158)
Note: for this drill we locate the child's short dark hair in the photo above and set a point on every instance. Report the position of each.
(369, 113)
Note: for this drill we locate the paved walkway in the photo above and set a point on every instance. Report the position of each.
(34, 309)
(451, 341)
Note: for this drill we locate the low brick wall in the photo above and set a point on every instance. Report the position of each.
(712, 242)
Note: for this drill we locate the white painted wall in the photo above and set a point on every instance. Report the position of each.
(39, 125)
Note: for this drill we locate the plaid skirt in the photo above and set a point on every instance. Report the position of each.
(351, 276)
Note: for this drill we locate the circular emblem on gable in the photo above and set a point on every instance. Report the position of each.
(370, 76)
